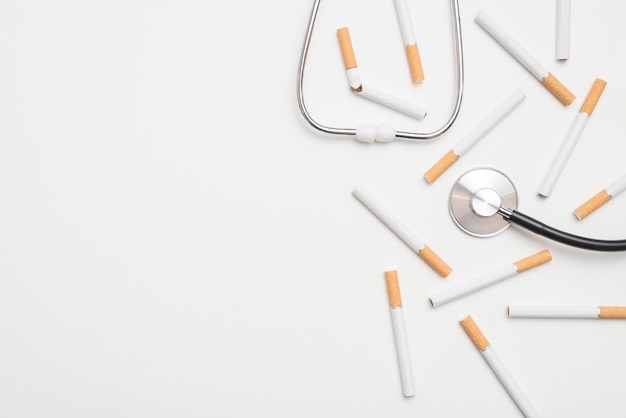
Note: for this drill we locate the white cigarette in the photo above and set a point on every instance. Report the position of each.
(475, 135)
(601, 198)
(408, 38)
(563, 23)
(370, 201)
(537, 69)
(567, 312)
(492, 359)
(400, 335)
(488, 279)
(370, 92)
(570, 140)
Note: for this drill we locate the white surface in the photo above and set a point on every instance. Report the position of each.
(512, 45)
(472, 285)
(403, 352)
(563, 28)
(563, 154)
(177, 242)
(489, 122)
(550, 311)
(509, 383)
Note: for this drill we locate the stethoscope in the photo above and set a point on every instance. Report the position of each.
(483, 203)
(415, 136)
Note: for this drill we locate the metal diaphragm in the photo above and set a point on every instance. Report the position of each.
(476, 198)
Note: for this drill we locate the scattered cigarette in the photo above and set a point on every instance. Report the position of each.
(537, 69)
(399, 332)
(601, 198)
(570, 140)
(567, 312)
(408, 39)
(488, 279)
(492, 359)
(370, 92)
(563, 23)
(474, 136)
(397, 227)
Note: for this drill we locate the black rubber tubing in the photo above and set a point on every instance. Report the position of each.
(540, 228)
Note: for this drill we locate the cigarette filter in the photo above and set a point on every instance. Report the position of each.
(368, 91)
(567, 312)
(475, 135)
(498, 368)
(408, 39)
(570, 140)
(400, 335)
(490, 278)
(601, 198)
(370, 201)
(536, 68)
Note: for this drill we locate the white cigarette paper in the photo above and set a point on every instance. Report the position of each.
(379, 96)
(498, 368)
(563, 24)
(518, 52)
(488, 279)
(569, 142)
(401, 339)
(397, 227)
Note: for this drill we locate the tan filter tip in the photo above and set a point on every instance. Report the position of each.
(533, 261)
(393, 289)
(415, 63)
(440, 166)
(472, 331)
(593, 96)
(613, 312)
(347, 52)
(434, 261)
(558, 90)
(592, 204)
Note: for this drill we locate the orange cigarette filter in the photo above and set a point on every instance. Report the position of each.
(475, 334)
(415, 63)
(593, 96)
(612, 312)
(393, 289)
(347, 51)
(440, 166)
(434, 261)
(592, 204)
(533, 261)
(558, 89)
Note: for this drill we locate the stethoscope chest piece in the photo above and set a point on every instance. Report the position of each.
(477, 196)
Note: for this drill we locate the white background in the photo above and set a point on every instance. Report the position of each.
(176, 240)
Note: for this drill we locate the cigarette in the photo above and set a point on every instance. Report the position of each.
(368, 91)
(370, 201)
(567, 312)
(570, 140)
(399, 332)
(518, 52)
(563, 23)
(408, 39)
(474, 136)
(490, 278)
(601, 198)
(492, 359)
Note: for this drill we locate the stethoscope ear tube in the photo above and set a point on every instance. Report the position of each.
(533, 225)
